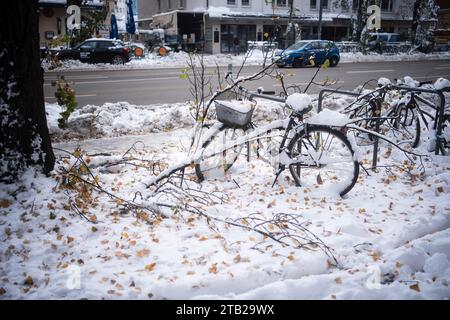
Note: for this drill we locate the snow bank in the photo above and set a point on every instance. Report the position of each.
(255, 58)
(442, 83)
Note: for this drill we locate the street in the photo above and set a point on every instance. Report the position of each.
(152, 86)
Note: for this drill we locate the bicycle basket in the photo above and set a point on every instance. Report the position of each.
(234, 113)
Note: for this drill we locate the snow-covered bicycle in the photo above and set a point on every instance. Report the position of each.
(317, 152)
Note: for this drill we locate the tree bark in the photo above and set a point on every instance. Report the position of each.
(24, 135)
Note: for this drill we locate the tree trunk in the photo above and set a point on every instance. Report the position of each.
(319, 29)
(24, 136)
(415, 19)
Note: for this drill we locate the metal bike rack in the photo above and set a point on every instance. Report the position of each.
(377, 123)
(439, 118)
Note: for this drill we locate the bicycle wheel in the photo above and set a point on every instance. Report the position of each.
(407, 124)
(219, 163)
(323, 157)
(267, 146)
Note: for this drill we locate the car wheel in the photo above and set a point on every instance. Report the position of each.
(333, 62)
(117, 60)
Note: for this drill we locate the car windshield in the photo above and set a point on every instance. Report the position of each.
(297, 45)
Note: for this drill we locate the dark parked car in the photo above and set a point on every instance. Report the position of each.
(300, 53)
(97, 50)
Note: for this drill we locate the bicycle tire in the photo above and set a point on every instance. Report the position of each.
(408, 123)
(215, 162)
(303, 143)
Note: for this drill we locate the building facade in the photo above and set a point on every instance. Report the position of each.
(53, 18)
(213, 24)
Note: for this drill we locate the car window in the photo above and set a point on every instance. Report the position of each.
(395, 38)
(104, 44)
(297, 45)
(88, 45)
(383, 37)
(325, 45)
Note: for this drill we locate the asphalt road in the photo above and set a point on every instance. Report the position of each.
(152, 86)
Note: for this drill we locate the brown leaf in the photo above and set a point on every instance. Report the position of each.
(415, 287)
(28, 281)
(291, 257)
(70, 239)
(5, 203)
(271, 203)
(338, 280)
(376, 256)
(143, 253)
(237, 259)
(150, 267)
(213, 268)
(203, 238)
(440, 189)
(2, 291)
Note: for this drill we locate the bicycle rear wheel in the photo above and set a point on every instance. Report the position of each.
(323, 157)
(407, 124)
(219, 163)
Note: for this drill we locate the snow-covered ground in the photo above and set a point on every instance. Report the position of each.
(179, 60)
(390, 235)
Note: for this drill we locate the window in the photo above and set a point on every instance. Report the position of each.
(169, 4)
(355, 5)
(386, 5)
(88, 45)
(231, 2)
(313, 4)
(159, 5)
(245, 3)
(182, 4)
(281, 3)
(104, 44)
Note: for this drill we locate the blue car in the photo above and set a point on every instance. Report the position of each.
(299, 54)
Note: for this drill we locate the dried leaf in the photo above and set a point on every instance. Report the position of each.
(5, 203)
(28, 281)
(415, 287)
(143, 253)
(149, 267)
(213, 268)
(338, 280)
(237, 259)
(271, 204)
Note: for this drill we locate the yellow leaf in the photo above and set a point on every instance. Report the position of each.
(149, 267)
(213, 268)
(125, 235)
(143, 253)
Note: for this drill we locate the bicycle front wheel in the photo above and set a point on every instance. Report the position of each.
(323, 157)
(216, 165)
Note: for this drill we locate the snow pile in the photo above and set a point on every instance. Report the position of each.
(299, 102)
(122, 118)
(442, 84)
(256, 57)
(383, 82)
(329, 117)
